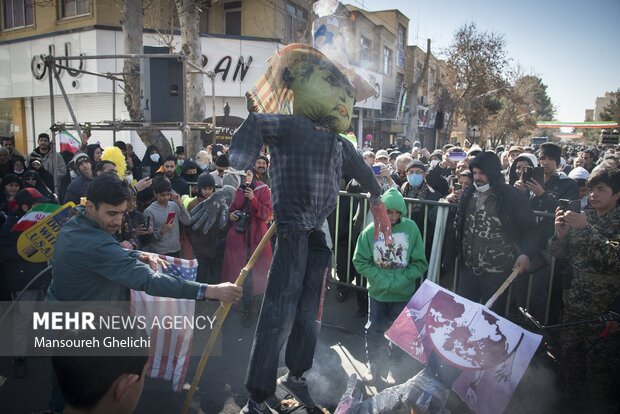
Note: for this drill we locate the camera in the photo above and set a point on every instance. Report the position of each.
(240, 224)
(457, 186)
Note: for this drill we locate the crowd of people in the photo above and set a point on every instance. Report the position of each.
(492, 230)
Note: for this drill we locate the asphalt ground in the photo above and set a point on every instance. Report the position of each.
(340, 352)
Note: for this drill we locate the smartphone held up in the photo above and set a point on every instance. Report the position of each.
(171, 216)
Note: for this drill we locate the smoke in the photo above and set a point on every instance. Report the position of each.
(324, 8)
(539, 390)
(328, 377)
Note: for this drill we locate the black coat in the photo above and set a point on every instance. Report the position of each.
(18, 272)
(515, 214)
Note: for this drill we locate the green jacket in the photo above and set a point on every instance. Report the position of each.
(89, 264)
(391, 272)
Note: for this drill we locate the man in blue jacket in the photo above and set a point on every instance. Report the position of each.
(90, 265)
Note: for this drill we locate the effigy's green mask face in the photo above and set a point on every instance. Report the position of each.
(323, 94)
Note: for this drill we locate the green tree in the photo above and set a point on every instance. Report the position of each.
(477, 63)
(611, 112)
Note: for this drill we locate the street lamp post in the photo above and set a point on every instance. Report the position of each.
(211, 75)
(226, 114)
(474, 130)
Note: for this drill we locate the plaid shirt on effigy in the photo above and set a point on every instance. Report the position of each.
(307, 163)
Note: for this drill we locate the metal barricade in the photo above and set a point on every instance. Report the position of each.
(358, 204)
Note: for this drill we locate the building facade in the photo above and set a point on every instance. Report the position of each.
(237, 37)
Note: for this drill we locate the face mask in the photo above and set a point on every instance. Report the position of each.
(482, 188)
(18, 171)
(434, 162)
(415, 180)
(202, 166)
(180, 162)
(154, 157)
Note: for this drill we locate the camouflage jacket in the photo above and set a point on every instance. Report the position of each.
(485, 244)
(515, 215)
(596, 248)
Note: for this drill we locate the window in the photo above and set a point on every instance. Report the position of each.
(232, 10)
(296, 23)
(387, 61)
(365, 52)
(17, 13)
(204, 21)
(72, 8)
(402, 34)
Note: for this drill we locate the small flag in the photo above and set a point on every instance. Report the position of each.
(170, 348)
(68, 142)
(34, 215)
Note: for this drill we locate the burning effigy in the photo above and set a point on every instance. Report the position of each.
(466, 348)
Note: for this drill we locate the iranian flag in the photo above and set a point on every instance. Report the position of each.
(68, 142)
(34, 215)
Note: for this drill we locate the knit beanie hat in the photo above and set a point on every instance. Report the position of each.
(551, 150)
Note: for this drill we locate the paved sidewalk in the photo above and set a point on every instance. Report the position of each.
(340, 352)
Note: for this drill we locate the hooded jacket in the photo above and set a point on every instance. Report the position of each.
(391, 271)
(513, 177)
(515, 213)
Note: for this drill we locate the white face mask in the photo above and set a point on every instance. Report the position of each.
(180, 162)
(154, 157)
(202, 166)
(434, 162)
(482, 188)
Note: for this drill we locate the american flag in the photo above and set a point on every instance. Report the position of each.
(170, 348)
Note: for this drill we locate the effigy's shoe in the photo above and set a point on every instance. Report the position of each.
(252, 407)
(298, 388)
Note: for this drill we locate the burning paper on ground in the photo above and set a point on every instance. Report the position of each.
(491, 352)
(465, 346)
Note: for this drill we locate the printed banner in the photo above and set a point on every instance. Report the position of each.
(36, 244)
(491, 352)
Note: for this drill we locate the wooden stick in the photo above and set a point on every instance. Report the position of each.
(220, 316)
(503, 287)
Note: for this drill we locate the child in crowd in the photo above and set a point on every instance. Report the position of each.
(391, 272)
(164, 215)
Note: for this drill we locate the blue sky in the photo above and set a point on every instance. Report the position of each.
(571, 45)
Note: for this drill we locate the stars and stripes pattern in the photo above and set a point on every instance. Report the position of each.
(170, 348)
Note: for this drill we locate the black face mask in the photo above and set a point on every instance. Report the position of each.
(191, 177)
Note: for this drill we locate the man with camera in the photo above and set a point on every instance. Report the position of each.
(590, 241)
(546, 187)
(555, 185)
(250, 212)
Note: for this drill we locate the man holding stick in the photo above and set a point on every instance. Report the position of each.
(496, 232)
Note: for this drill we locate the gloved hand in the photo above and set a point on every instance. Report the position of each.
(382, 221)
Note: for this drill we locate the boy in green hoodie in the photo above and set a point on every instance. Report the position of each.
(391, 273)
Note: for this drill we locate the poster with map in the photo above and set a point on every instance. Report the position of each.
(491, 352)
